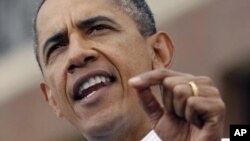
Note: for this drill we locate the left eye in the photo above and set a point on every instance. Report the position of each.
(97, 28)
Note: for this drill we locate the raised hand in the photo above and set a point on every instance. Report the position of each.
(188, 114)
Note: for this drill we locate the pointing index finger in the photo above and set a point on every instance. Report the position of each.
(151, 78)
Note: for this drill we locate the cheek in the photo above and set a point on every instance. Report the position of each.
(57, 78)
(129, 56)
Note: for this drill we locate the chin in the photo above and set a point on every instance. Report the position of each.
(104, 124)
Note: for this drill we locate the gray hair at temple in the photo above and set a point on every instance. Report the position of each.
(138, 10)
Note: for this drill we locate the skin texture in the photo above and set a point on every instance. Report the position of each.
(129, 108)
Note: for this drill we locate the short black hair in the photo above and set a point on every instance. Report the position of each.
(138, 10)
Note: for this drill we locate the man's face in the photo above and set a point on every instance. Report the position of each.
(88, 50)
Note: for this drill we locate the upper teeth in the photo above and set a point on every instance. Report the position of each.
(93, 81)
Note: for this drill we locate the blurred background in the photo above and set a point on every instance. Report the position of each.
(212, 37)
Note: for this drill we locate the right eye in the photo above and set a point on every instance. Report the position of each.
(54, 48)
(99, 29)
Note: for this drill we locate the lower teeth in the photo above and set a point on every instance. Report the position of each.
(91, 94)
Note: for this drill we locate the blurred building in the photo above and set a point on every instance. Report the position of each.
(211, 37)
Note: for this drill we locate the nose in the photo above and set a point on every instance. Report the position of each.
(80, 56)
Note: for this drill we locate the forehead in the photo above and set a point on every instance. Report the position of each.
(82, 7)
(56, 15)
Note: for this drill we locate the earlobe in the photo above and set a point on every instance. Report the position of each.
(50, 99)
(163, 50)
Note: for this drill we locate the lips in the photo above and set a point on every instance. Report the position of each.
(87, 85)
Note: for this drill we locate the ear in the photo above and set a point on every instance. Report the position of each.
(163, 50)
(50, 99)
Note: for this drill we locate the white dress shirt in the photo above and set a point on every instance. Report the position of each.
(151, 136)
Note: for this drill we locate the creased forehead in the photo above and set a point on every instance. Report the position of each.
(59, 10)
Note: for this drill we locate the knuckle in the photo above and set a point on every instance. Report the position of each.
(178, 91)
(168, 82)
(221, 110)
(222, 106)
(191, 103)
(215, 91)
(206, 79)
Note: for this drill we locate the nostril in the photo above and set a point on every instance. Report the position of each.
(80, 64)
(72, 68)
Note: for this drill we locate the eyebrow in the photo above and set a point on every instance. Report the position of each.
(55, 38)
(91, 21)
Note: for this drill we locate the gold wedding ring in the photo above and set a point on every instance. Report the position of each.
(195, 91)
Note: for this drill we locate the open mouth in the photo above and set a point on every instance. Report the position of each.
(87, 86)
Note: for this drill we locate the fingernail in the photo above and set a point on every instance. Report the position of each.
(134, 80)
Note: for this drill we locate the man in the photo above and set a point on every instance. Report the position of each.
(105, 70)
